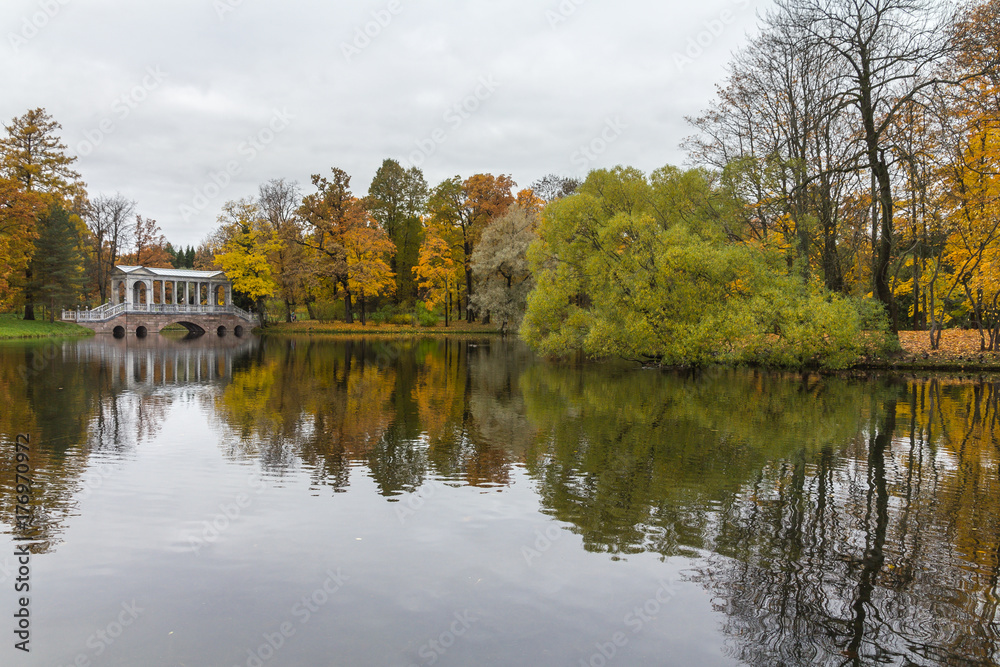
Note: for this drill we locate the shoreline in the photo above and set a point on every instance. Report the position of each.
(14, 328)
(311, 327)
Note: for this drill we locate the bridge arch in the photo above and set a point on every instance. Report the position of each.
(190, 326)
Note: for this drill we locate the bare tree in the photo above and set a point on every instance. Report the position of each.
(279, 201)
(110, 220)
(886, 54)
(552, 186)
(782, 142)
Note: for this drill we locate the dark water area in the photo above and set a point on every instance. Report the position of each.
(457, 501)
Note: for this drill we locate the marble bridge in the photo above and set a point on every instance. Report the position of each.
(145, 300)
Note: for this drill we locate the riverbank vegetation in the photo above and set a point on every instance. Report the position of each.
(13, 326)
(842, 186)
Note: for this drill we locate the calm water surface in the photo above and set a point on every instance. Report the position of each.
(245, 502)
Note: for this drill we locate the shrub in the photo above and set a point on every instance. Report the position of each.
(425, 316)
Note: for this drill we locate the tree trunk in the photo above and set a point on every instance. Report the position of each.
(468, 282)
(348, 315)
(832, 275)
(29, 299)
(361, 301)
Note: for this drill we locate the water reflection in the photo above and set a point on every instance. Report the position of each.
(81, 399)
(835, 520)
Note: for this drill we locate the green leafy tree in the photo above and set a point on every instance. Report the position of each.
(641, 268)
(396, 200)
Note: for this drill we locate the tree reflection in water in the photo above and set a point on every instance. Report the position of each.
(835, 519)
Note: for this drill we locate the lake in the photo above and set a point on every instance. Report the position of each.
(242, 502)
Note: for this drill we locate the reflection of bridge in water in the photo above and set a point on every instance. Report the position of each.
(145, 300)
(160, 361)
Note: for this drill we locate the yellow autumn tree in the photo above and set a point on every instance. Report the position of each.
(19, 210)
(437, 271)
(245, 250)
(367, 248)
(972, 194)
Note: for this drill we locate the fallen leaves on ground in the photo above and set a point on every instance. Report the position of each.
(956, 345)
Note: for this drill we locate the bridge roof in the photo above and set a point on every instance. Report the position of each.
(170, 273)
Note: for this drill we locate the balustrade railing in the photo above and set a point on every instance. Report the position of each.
(108, 311)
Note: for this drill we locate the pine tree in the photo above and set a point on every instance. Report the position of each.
(57, 266)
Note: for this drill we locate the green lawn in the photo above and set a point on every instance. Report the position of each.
(12, 326)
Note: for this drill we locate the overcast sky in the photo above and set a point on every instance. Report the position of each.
(184, 104)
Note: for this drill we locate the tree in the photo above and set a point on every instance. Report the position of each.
(366, 248)
(437, 271)
(19, 211)
(146, 234)
(33, 155)
(468, 206)
(500, 266)
(279, 201)
(337, 228)
(109, 220)
(886, 54)
(244, 252)
(552, 186)
(641, 268)
(396, 200)
(57, 265)
(327, 215)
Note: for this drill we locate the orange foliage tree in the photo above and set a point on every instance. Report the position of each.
(468, 206)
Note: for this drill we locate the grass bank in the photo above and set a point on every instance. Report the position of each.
(313, 326)
(12, 326)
